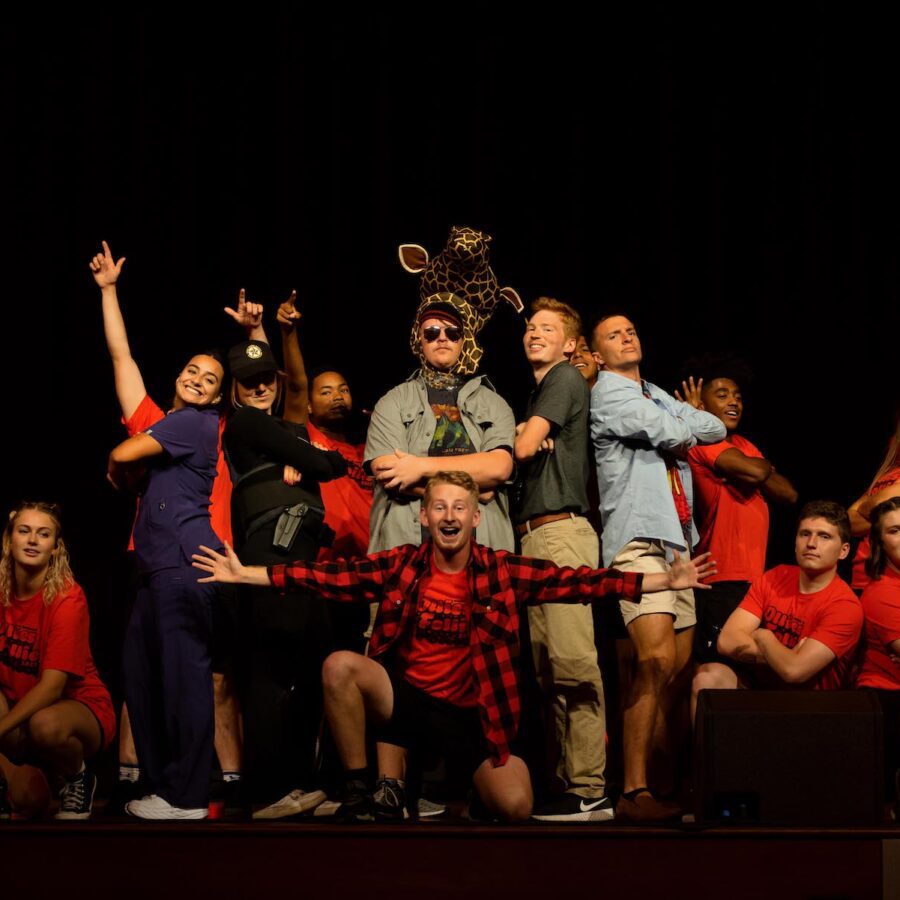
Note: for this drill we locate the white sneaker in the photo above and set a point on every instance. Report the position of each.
(292, 804)
(154, 807)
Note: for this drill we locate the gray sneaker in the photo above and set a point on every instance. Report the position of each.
(390, 800)
(77, 797)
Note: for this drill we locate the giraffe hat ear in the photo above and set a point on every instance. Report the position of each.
(413, 257)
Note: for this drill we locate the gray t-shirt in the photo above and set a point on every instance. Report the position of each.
(557, 482)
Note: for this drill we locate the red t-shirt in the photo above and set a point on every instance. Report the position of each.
(833, 616)
(881, 605)
(437, 657)
(348, 501)
(732, 518)
(35, 636)
(147, 414)
(858, 578)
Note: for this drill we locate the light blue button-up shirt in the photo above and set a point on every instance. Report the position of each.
(628, 431)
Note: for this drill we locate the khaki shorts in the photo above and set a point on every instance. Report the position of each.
(650, 557)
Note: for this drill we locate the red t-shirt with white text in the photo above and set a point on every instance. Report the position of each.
(35, 637)
(732, 518)
(437, 657)
(833, 616)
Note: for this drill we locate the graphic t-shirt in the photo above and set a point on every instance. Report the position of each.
(147, 414)
(348, 500)
(437, 657)
(858, 579)
(833, 616)
(35, 637)
(450, 435)
(881, 605)
(733, 518)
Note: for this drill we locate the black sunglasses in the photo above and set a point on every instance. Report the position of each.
(453, 333)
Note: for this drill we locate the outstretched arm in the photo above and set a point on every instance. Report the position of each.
(130, 388)
(296, 400)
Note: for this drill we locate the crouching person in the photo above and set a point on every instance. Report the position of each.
(54, 710)
(443, 658)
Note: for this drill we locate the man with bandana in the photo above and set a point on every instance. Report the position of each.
(444, 417)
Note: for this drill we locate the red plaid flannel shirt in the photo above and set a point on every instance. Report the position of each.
(501, 583)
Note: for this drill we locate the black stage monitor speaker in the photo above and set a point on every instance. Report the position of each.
(788, 758)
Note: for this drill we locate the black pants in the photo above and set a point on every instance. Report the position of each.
(285, 639)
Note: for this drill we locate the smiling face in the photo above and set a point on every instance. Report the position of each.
(818, 546)
(617, 345)
(200, 382)
(722, 397)
(329, 400)
(583, 360)
(441, 353)
(451, 514)
(545, 339)
(33, 540)
(259, 391)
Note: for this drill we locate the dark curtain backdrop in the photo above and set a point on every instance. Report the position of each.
(727, 176)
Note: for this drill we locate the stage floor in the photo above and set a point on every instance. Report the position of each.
(432, 860)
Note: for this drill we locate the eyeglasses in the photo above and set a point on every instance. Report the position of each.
(453, 333)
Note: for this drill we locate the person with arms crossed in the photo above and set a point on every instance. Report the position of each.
(641, 437)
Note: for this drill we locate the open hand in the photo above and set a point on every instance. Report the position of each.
(225, 569)
(692, 393)
(689, 573)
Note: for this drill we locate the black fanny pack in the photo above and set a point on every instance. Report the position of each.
(261, 498)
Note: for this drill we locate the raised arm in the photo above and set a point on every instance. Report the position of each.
(249, 316)
(129, 382)
(296, 400)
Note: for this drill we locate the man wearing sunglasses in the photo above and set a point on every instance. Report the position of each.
(445, 417)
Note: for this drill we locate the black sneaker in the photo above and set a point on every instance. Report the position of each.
(123, 792)
(76, 797)
(574, 808)
(5, 808)
(356, 803)
(389, 800)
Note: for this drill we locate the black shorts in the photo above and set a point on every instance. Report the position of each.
(713, 609)
(427, 726)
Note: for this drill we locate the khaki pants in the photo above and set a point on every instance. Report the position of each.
(565, 659)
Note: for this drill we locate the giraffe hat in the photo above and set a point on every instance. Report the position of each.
(452, 306)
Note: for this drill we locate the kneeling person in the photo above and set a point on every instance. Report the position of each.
(444, 647)
(799, 624)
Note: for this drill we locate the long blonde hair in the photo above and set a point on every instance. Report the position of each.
(59, 573)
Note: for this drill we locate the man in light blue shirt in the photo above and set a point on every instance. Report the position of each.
(641, 438)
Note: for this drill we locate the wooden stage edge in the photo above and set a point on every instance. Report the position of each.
(132, 860)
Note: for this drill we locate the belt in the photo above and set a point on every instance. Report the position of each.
(537, 521)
